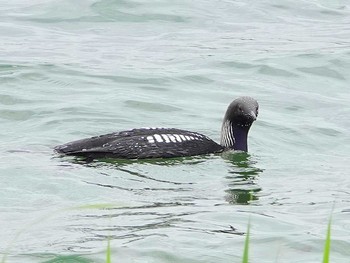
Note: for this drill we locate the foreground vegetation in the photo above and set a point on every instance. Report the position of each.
(326, 250)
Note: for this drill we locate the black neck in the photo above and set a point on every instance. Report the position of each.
(234, 136)
(241, 138)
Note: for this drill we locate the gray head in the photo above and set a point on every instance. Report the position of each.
(240, 115)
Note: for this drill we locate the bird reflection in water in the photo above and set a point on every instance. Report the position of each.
(241, 176)
(242, 186)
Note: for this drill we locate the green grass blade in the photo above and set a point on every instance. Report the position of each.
(327, 245)
(246, 245)
(108, 253)
(246, 242)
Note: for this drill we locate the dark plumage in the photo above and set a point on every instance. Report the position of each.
(169, 142)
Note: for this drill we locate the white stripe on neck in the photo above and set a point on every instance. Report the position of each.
(227, 136)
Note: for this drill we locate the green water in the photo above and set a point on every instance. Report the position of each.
(73, 69)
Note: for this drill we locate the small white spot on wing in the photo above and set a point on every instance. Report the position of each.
(166, 138)
(158, 138)
(197, 135)
(177, 137)
(183, 137)
(172, 138)
(150, 139)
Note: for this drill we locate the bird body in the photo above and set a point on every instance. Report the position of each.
(142, 143)
(169, 142)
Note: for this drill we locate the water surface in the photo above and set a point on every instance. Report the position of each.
(70, 70)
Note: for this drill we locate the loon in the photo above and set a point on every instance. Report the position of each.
(169, 142)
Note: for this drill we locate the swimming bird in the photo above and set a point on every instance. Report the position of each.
(169, 142)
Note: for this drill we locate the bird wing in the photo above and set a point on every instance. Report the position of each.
(142, 143)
